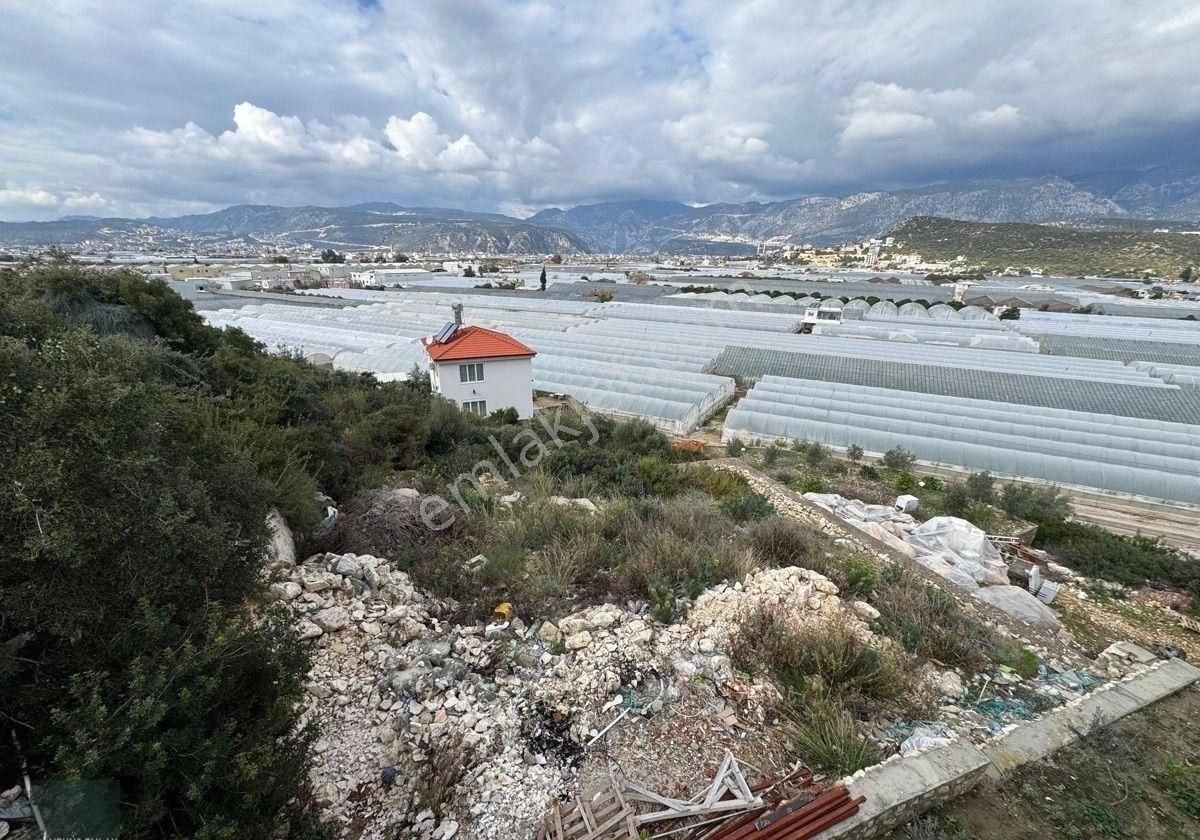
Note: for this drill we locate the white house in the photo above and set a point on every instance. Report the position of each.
(482, 370)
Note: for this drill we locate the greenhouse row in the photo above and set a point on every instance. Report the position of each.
(1164, 402)
(1064, 447)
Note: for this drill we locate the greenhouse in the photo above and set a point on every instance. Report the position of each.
(1066, 447)
(1160, 402)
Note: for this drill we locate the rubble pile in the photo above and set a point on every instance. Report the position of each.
(473, 730)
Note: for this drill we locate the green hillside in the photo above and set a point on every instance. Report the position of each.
(1057, 250)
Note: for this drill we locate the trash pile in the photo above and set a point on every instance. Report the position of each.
(472, 730)
(728, 808)
(950, 547)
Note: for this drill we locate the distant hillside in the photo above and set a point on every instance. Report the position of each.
(433, 230)
(1056, 249)
(648, 226)
(677, 228)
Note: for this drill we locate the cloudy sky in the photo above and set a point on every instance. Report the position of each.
(138, 107)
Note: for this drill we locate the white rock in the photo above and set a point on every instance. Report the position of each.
(579, 640)
(549, 633)
(332, 619)
(865, 611)
(307, 630)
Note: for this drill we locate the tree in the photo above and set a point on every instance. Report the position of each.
(899, 459)
(1010, 313)
(556, 259)
(331, 256)
(468, 272)
(854, 452)
(142, 644)
(981, 487)
(542, 280)
(1187, 273)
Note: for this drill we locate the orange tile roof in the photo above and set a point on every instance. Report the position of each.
(477, 343)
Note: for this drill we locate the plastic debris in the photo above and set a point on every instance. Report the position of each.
(926, 737)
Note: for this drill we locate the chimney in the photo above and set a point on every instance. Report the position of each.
(457, 309)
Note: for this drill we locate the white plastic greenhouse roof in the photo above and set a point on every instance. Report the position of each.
(1062, 447)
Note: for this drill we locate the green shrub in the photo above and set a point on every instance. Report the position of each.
(868, 472)
(1133, 561)
(899, 459)
(981, 487)
(812, 484)
(1026, 501)
(828, 657)
(981, 515)
(956, 499)
(825, 736)
(132, 535)
(771, 455)
(735, 448)
(719, 484)
(854, 452)
(817, 455)
(929, 622)
(746, 507)
(1016, 656)
(905, 482)
(861, 578)
(654, 476)
(778, 541)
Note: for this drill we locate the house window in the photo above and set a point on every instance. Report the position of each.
(475, 407)
(471, 373)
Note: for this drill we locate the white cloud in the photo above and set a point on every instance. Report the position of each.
(524, 103)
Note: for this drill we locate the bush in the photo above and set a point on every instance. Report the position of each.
(905, 482)
(816, 455)
(868, 472)
(899, 459)
(826, 657)
(854, 452)
(929, 622)
(778, 541)
(652, 476)
(812, 484)
(826, 737)
(981, 487)
(861, 578)
(746, 507)
(735, 448)
(1016, 656)
(956, 499)
(1026, 501)
(133, 534)
(981, 515)
(1133, 561)
(719, 484)
(771, 455)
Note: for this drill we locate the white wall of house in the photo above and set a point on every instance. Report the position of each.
(506, 383)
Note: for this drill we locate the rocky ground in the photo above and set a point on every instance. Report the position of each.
(437, 729)
(472, 730)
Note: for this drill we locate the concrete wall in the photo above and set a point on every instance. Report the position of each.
(904, 787)
(506, 383)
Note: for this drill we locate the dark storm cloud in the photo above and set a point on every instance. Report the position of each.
(154, 107)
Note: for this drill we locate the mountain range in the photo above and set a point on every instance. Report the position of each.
(1110, 199)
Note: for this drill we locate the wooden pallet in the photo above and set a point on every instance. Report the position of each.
(605, 815)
